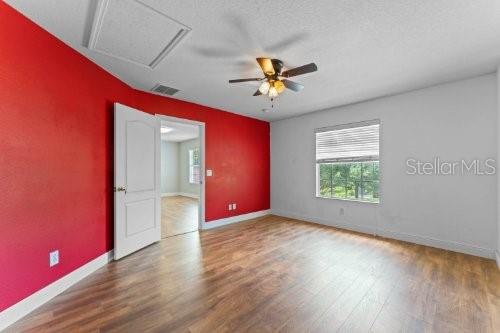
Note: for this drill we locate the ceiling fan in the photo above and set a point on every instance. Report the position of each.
(274, 80)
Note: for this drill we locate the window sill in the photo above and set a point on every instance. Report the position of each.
(350, 200)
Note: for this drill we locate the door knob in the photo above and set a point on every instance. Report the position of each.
(120, 189)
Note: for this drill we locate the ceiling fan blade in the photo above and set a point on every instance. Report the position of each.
(300, 70)
(267, 65)
(292, 85)
(257, 93)
(244, 80)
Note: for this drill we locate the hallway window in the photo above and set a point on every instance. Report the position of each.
(194, 166)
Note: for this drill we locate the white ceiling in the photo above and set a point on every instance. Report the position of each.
(179, 132)
(364, 49)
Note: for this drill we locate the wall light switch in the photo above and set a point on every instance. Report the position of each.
(230, 207)
(209, 173)
(53, 258)
(234, 206)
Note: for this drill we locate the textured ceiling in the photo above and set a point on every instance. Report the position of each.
(363, 49)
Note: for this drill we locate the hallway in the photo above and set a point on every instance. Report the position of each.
(179, 214)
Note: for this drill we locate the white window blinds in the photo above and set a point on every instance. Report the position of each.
(348, 143)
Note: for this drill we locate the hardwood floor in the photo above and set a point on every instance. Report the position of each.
(179, 215)
(282, 275)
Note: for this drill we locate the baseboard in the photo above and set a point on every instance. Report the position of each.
(183, 194)
(497, 253)
(439, 243)
(30, 303)
(352, 227)
(417, 239)
(234, 219)
(189, 195)
(169, 194)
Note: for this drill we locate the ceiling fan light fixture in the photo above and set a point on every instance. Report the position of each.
(273, 92)
(264, 87)
(280, 87)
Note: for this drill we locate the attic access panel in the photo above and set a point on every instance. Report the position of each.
(133, 31)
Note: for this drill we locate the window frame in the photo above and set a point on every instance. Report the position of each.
(317, 165)
(191, 179)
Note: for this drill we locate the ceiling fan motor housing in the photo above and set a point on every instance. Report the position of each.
(277, 65)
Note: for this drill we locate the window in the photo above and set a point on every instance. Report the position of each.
(347, 161)
(194, 166)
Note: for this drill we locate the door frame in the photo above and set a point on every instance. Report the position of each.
(201, 127)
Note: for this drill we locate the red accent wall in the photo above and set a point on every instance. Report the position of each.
(56, 123)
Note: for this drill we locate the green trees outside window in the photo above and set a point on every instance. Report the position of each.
(352, 180)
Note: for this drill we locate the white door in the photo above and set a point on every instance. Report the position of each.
(137, 179)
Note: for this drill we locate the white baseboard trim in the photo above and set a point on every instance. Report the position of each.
(183, 194)
(498, 258)
(30, 303)
(440, 243)
(169, 194)
(189, 195)
(352, 227)
(417, 239)
(234, 219)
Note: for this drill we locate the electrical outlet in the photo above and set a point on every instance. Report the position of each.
(53, 258)
(230, 207)
(209, 173)
(234, 206)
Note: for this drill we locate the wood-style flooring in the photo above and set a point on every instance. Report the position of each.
(179, 215)
(275, 274)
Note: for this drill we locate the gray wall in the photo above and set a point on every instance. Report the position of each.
(452, 121)
(184, 185)
(169, 167)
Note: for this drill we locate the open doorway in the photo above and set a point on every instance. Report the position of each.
(181, 176)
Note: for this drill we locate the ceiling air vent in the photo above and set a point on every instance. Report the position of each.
(164, 90)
